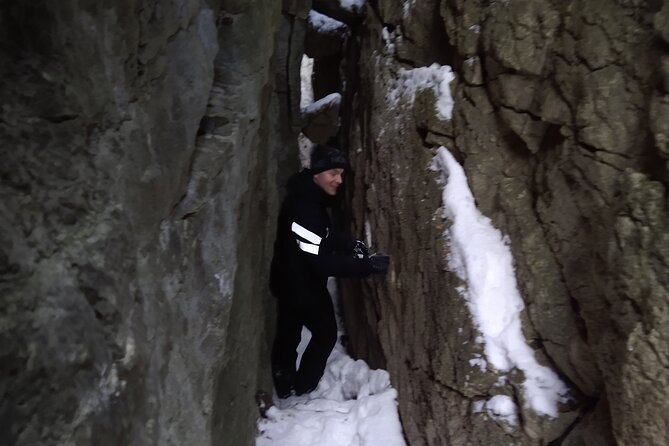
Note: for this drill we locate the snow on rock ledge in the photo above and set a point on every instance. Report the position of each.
(325, 24)
(435, 77)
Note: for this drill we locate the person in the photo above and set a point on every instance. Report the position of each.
(306, 252)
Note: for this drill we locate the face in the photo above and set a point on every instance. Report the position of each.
(330, 180)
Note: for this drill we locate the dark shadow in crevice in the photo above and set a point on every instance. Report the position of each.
(552, 139)
(514, 142)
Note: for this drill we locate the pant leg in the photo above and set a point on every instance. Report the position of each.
(284, 351)
(320, 320)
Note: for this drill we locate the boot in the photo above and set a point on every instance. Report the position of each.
(283, 383)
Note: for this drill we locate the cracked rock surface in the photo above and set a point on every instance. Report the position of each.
(560, 121)
(143, 150)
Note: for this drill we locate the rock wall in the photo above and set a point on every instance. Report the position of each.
(142, 144)
(144, 147)
(561, 123)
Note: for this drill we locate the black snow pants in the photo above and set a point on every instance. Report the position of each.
(318, 316)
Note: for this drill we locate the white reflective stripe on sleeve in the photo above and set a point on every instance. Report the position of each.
(306, 234)
(308, 247)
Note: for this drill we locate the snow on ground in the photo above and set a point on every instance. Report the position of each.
(325, 24)
(481, 257)
(352, 406)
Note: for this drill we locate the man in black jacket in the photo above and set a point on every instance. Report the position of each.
(306, 252)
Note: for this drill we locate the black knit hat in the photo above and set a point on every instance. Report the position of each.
(326, 158)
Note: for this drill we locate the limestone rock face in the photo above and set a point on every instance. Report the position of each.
(140, 157)
(322, 119)
(560, 121)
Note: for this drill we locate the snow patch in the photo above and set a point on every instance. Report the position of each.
(481, 363)
(331, 99)
(306, 88)
(325, 24)
(389, 40)
(352, 405)
(304, 341)
(481, 257)
(352, 5)
(435, 77)
(499, 407)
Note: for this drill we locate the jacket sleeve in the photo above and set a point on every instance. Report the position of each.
(341, 242)
(318, 248)
(341, 266)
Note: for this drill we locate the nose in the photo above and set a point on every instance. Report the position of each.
(338, 179)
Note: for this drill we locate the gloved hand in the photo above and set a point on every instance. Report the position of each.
(360, 250)
(379, 263)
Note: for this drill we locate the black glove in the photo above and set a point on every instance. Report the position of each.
(379, 263)
(360, 250)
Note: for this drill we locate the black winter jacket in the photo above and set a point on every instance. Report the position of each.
(306, 250)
